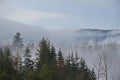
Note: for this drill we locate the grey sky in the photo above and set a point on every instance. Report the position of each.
(63, 13)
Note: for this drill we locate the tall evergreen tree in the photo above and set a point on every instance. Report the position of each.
(60, 59)
(7, 71)
(52, 56)
(84, 72)
(43, 52)
(71, 68)
(17, 62)
(17, 41)
(47, 61)
(28, 63)
(60, 66)
(28, 66)
(18, 65)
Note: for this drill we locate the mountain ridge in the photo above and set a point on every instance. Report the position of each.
(97, 34)
(31, 33)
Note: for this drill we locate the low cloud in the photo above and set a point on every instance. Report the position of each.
(26, 15)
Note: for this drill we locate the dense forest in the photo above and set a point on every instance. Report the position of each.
(48, 64)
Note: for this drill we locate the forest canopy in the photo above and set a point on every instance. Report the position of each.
(49, 64)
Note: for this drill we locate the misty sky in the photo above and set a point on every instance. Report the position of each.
(55, 14)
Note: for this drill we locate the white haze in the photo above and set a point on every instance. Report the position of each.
(64, 39)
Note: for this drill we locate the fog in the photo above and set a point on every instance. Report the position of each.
(64, 39)
(90, 52)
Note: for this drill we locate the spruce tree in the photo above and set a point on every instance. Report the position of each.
(52, 57)
(28, 66)
(60, 66)
(47, 61)
(17, 41)
(60, 59)
(43, 51)
(7, 71)
(28, 63)
(84, 72)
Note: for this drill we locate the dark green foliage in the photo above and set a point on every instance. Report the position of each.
(44, 52)
(60, 66)
(84, 72)
(60, 59)
(71, 67)
(78, 68)
(7, 71)
(52, 56)
(49, 65)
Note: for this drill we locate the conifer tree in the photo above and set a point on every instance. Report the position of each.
(60, 66)
(47, 60)
(43, 52)
(17, 41)
(52, 56)
(84, 72)
(7, 71)
(28, 65)
(60, 59)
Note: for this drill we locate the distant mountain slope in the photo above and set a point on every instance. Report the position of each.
(97, 35)
(64, 37)
(8, 29)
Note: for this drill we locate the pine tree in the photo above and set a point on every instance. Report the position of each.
(53, 65)
(43, 52)
(17, 62)
(47, 61)
(28, 63)
(84, 72)
(7, 71)
(60, 66)
(18, 65)
(60, 59)
(52, 56)
(28, 66)
(17, 41)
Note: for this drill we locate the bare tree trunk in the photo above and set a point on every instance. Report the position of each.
(106, 60)
(102, 66)
(106, 72)
(98, 66)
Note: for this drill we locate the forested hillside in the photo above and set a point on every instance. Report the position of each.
(49, 64)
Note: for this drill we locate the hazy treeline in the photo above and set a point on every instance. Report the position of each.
(95, 53)
(48, 65)
(19, 61)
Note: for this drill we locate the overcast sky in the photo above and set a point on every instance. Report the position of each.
(63, 13)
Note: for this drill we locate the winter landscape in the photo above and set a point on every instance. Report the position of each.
(59, 40)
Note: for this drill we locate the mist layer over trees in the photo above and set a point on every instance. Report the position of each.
(46, 62)
(48, 65)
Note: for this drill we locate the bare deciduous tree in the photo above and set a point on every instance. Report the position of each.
(97, 66)
(102, 65)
